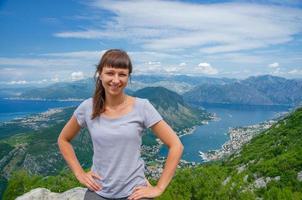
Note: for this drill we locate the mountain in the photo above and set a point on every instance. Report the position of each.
(172, 107)
(260, 90)
(233, 93)
(279, 90)
(268, 167)
(77, 90)
(84, 88)
(191, 80)
(33, 146)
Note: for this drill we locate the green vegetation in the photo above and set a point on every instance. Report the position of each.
(173, 108)
(273, 157)
(22, 182)
(5, 149)
(267, 167)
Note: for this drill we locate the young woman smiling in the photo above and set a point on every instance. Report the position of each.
(115, 122)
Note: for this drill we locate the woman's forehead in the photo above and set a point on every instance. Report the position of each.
(117, 69)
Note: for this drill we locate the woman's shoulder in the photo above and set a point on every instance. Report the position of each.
(87, 102)
(141, 101)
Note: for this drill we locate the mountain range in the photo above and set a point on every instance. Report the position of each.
(256, 90)
(260, 90)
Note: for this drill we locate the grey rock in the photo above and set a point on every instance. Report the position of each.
(226, 180)
(77, 193)
(299, 176)
(241, 169)
(260, 183)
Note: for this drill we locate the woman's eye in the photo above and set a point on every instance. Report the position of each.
(123, 75)
(109, 73)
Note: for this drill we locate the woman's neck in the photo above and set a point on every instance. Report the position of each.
(115, 101)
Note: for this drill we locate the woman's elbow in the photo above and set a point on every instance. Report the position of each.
(181, 147)
(61, 139)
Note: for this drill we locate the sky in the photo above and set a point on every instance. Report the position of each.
(49, 41)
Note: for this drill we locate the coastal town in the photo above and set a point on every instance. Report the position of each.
(238, 137)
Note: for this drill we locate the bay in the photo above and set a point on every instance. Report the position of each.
(14, 108)
(214, 134)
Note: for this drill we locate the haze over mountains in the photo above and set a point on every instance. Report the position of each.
(255, 90)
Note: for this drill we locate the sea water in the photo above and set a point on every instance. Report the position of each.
(214, 134)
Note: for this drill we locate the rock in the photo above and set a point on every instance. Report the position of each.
(277, 178)
(260, 183)
(268, 179)
(226, 180)
(241, 169)
(77, 193)
(299, 176)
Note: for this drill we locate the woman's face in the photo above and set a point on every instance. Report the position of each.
(114, 80)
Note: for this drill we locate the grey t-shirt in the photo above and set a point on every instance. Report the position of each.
(116, 146)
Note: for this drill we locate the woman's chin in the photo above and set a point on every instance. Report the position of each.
(115, 92)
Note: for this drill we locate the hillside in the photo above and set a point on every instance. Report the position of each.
(259, 90)
(268, 167)
(172, 107)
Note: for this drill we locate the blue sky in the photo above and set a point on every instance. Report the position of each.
(48, 41)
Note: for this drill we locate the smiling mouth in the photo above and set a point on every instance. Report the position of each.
(114, 87)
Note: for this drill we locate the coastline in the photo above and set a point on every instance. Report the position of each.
(155, 166)
(41, 99)
(238, 137)
(19, 108)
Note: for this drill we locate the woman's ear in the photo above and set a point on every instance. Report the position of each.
(98, 75)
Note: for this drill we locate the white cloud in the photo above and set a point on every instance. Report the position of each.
(77, 75)
(22, 82)
(55, 79)
(206, 68)
(156, 63)
(213, 28)
(295, 72)
(77, 54)
(273, 65)
(182, 64)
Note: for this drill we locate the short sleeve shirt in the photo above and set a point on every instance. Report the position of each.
(117, 144)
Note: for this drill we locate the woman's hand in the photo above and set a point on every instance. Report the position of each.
(145, 192)
(88, 179)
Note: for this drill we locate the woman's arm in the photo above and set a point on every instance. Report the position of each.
(165, 133)
(69, 131)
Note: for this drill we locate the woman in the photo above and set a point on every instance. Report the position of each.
(115, 122)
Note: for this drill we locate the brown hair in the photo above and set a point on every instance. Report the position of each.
(115, 58)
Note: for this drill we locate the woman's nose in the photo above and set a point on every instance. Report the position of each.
(116, 79)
